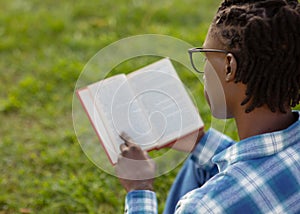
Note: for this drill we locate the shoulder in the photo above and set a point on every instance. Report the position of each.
(248, 187)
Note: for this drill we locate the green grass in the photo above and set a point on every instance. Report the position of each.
(44, 46)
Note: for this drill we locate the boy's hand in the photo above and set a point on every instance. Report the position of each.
(188, 142)
(136, 171)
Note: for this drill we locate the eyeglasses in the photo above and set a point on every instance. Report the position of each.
(198, 60)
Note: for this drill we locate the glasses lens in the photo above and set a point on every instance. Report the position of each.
(198, 59)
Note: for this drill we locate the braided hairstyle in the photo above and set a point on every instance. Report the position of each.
(264, 36)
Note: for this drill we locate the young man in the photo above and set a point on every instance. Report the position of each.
(253, 52)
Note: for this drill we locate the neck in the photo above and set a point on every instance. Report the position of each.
(262, 120)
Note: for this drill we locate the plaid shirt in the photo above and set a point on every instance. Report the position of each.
(260, 174)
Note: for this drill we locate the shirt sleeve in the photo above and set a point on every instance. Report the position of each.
(141, 201)
(144, 201)
(211, 144)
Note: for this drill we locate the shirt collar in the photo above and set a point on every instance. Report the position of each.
(259, 146)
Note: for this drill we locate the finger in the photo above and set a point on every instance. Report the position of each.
(146, 155)
(128, 141)
(124, 136)
(123, 147)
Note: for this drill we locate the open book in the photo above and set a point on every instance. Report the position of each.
(151, 105)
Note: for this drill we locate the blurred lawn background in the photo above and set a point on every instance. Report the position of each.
(44, 46)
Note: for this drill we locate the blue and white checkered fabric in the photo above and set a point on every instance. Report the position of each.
(260, 174)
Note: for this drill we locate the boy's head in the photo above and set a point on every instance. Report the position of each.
(264, 38)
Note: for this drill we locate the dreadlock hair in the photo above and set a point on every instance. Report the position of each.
(264, 36)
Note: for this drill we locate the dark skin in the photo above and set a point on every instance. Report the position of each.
(136, 171)
(139, 175)
(259, 121)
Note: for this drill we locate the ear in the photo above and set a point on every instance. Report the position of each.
(230, 67)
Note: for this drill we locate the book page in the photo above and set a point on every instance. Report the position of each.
(168, 106)
(121, 111)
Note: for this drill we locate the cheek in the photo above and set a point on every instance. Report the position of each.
(207, 98)
(214, 92)
(205, 90)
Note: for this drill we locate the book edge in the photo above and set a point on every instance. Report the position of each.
(171, 142)
(93, 125)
